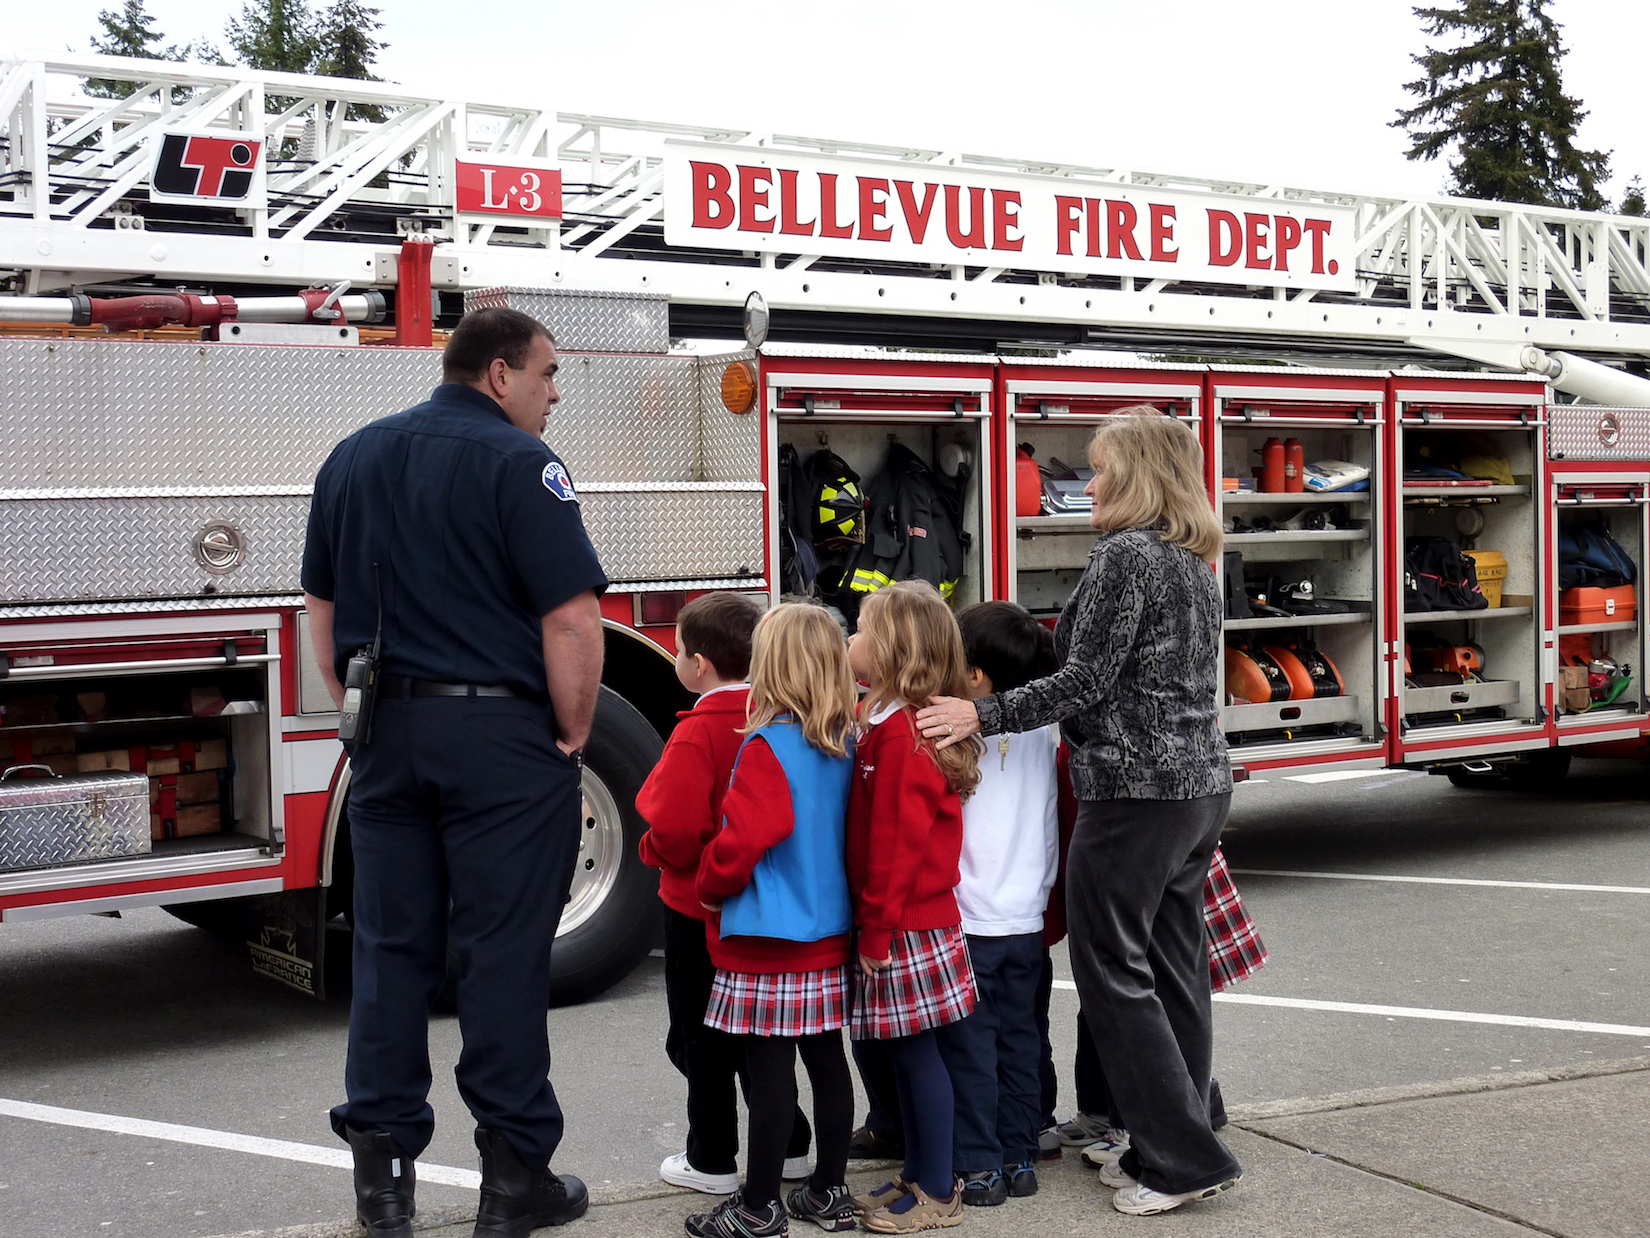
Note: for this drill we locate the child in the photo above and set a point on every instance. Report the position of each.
(904, 840)
(1010, 853)
(774, 877)
(682, 801)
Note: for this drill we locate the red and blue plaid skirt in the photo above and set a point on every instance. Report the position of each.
(928, 982)
(1236, 951)
(787, 1003)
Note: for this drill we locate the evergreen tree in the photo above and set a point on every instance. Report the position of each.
(127, 31)
(281, 35)
(1494, 100)
(345, 43)
(1632, 202)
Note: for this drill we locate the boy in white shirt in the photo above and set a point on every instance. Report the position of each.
(1009, 860)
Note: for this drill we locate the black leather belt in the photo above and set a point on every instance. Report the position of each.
(405, 687)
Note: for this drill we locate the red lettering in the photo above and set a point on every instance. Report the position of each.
(750, 198)
(1318, 229)
(711, 182)
(1257, 230)
(1002, 219)
(1068, 219)
(789, 224)
(1288, 237)
(871, 211)
(1225, 239)
(1121, 218)
(1163, 235)
(974, 238)
(828, 225)
(916, 217)
(1093, 211)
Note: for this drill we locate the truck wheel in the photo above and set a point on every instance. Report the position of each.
(216, 916)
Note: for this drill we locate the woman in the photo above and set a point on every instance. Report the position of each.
(1138, 692)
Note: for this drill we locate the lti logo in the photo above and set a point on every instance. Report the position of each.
(524, 191)
(199, 168)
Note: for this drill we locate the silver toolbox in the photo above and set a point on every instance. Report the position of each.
(71, 819)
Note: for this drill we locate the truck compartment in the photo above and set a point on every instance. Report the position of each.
(1600, 602)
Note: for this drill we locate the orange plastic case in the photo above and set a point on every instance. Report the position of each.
(1253, 677)
(1587, 604)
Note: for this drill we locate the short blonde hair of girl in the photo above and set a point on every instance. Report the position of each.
(1149, 469)
(916, 651)
(799, 666)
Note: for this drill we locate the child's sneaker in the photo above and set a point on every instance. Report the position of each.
(1107, 1148)
(1141, 1201)
(796, 1168)
(880, 1197)
(926, 1213)
(1083, 1129)
(985, 1189)
(1049, 1146)
(866, 1145)
(831, 1210)
(1112, 1175)
(733, 1218)
(1022, 1179)
(678, 1172)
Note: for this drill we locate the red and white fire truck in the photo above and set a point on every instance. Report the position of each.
(219, 275)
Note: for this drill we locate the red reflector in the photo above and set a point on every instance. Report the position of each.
(661, 609)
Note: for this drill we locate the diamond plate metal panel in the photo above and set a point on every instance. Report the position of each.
(46, 821)
(589, 321)
(665, 536)
(158, 606)
(730, 444)
(1590, 432)
(73, 550)
(626, 419)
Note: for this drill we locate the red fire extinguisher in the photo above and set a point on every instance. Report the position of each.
(1270, 471)
(1028, 483)
(1294, 466)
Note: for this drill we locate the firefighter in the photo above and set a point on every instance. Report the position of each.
(453, 529)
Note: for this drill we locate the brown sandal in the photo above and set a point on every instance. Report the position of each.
(889, 1192)
(928, 1213)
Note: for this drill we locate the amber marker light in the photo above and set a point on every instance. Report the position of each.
(739, 387)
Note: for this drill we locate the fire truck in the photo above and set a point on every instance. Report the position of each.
(217, 275)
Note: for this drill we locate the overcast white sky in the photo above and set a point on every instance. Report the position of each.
(1297, 91)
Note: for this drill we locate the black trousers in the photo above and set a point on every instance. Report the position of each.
(1139, 954)
(994, 1057)
(708, 1059)
(464, 815)
(876, 1073)
(771, 1061)
(1048, 1077)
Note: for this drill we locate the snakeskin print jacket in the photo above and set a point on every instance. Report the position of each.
(1138, 690)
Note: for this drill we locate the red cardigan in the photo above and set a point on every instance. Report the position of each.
(757, 815)
(682, 797)
(904, 836)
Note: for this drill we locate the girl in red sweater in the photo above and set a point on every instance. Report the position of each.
(904, 842)
(774, 879)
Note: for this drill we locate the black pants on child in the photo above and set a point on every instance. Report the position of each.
(993, 1056)
(771, 1061)
(708, 1059)
(876, 1072)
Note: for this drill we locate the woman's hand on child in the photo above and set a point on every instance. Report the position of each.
(871, 966)
(710, 906)
(948, 720)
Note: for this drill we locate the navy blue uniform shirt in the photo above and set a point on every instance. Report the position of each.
(476, 531)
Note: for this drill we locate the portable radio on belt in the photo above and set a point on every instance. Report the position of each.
(361, 682)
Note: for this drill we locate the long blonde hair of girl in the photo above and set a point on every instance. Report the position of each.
(799, 666)
(916, 651)
(1150, 469)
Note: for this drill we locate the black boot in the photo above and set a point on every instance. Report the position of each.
(515, 1199)
(384, 1182)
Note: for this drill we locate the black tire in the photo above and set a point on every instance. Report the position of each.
(216, 916)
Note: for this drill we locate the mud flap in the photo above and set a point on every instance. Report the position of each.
(285, 937)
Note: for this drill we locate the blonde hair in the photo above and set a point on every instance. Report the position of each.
(799, 666)
(916, 651)
(1149, 469)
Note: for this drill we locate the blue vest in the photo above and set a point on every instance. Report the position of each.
(799, 888)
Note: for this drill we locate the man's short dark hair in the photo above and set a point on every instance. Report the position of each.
(485, 334)
(1005, 642)
(718, 627)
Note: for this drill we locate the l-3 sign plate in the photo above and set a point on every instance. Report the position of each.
(521, 191)
(734, 197)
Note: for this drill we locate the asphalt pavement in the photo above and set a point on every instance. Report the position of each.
(1455, 1040)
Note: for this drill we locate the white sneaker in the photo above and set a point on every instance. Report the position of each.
(1106, 1149)
(796, 1168)
(1112, 1175)
(676, 1171)
(1141, 1201)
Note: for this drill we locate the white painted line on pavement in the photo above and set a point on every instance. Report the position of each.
(1443, 881)
(1419, 1012)
(200, 1136)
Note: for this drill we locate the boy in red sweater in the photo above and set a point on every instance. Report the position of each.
(682, 802)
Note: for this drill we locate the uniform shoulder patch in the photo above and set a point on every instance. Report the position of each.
(558, 483)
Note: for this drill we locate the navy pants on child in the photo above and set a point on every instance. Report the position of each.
(993, 1056)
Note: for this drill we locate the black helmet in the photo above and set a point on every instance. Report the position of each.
(837, 514)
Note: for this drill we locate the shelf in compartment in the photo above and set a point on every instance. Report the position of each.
(1576, 629)
(1284, 714)
(1464, 492)
(1078, 523)
(1280, 537)
(1447, 697)
(1297, 621)
(1453, 616)
(230, 710)
(1255, 497)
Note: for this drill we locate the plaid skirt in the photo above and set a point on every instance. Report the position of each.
(1236, 951)
(787, 1003)
(928, 983)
